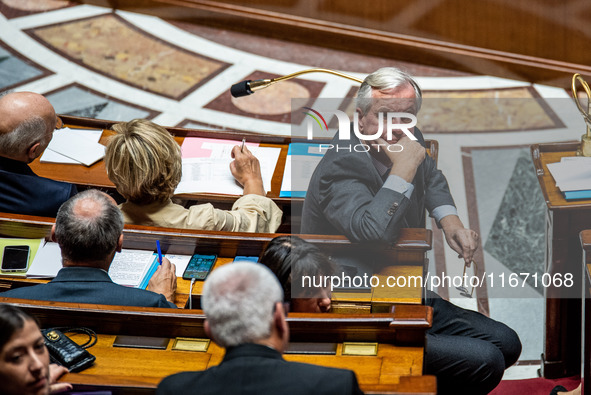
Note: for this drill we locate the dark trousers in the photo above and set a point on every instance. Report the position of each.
(467, 351)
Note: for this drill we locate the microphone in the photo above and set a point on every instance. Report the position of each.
(248, 87)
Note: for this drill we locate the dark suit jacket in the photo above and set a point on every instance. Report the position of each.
(252, 369)
(24, 192)
(89, 285)
(345, 196)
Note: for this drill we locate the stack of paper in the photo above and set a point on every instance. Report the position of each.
(573, 176)
(133, 268)
(302, 159)
(78, 146)
(206, 166)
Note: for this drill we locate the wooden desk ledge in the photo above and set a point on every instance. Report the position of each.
(400, 336)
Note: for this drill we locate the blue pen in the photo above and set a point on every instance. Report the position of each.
(159, 251)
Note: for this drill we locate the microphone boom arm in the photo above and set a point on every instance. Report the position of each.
(249, 87)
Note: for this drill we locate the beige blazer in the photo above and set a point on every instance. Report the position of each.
(250, 213)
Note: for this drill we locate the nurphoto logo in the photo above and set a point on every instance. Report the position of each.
(389, 120)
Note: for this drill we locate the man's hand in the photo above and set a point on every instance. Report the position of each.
(461, 240)
(247, 171)
(405, 162)
(164, 280)
(55, 372)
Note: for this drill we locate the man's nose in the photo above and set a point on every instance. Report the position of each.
(324, 303)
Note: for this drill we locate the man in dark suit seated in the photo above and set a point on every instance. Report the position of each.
(245, 314)
(88, 229)
(27, 122)
(369, 195)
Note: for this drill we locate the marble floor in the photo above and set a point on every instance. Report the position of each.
(94, 62)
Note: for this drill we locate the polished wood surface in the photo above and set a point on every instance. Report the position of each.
(400, 336)
(407, 256)
(535, 46)
(564, 221)
(95, 176)
(543, 154)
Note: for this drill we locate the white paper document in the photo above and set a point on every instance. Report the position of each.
(572, 174)
(180, 262)
(129, 267)
(50, 156)
(302, 159)
(47, 261)
(296, 178)
(76, 146)
(212, 175)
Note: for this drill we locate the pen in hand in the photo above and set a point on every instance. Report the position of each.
(159, 251)
(242, 147)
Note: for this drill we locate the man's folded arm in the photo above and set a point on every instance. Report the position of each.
(354, 210)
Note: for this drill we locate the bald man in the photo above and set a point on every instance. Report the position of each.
(88, 229)
(27, 122)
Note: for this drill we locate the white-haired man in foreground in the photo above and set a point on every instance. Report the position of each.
(243, 306)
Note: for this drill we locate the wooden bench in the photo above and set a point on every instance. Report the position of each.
(397, 367)
(407, 256)
(95, 176)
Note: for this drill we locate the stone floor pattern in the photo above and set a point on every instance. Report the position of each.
(92, 62)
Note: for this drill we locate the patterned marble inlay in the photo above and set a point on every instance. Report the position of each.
(272, 103)
(80, 101)
(14, 71)
(516, 238)
(485, 111)
(111, 46)
(36, 5)
(273, 100)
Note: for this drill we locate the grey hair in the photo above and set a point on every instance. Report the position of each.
(239, 301)
(88, 239)
(385, 78)
(18, 140)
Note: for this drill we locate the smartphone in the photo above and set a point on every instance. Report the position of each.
(15, 258)
(199, 267)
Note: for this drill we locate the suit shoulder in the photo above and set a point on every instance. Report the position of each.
(321, 372)
(326, 380)
(178, 383)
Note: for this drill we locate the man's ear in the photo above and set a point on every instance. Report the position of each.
(279, 320)
(360, 119)
(32, 152)
(120, 243)
(52, 235)
(207, 329)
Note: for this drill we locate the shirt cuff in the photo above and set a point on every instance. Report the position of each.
(443, 211)
(398, 184)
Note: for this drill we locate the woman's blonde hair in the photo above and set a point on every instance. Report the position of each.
(143, 161)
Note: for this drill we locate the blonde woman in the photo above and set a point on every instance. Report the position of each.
(144, 162)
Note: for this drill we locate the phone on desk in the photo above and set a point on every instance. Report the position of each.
(199, 267)
(15, 258)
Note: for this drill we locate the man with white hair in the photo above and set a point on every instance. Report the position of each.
(27, 122)
(370, 195)
(245, 314)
